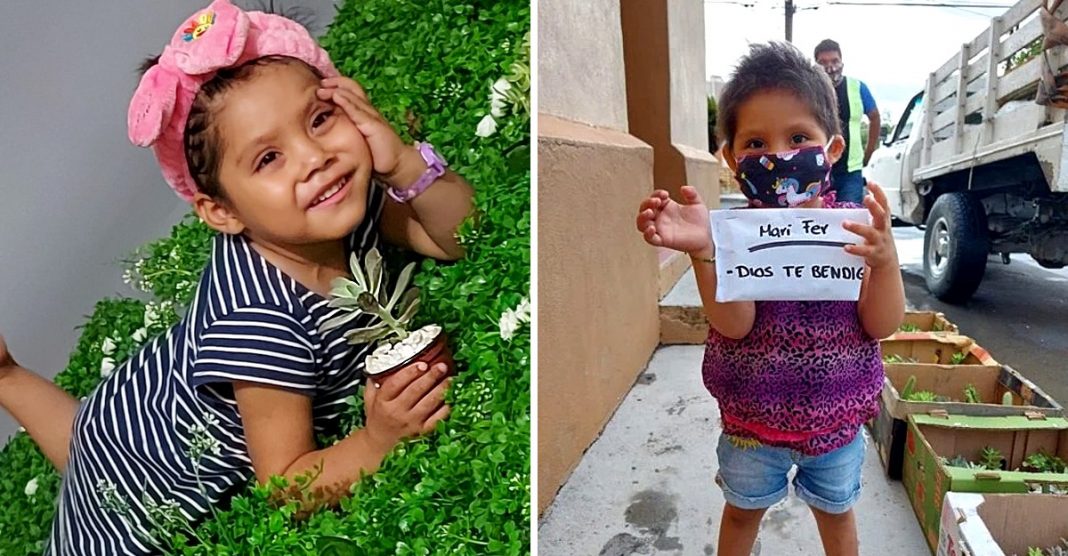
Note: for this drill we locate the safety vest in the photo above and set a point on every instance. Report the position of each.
(851, 123)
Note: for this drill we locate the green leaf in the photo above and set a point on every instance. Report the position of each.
(336, 546)
(340, 320)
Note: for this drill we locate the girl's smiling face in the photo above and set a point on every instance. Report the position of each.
(777, 121)
(294, 169)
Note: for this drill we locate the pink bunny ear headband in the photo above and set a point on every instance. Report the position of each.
(219, 36)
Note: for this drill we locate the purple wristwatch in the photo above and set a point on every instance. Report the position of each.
(435, 168)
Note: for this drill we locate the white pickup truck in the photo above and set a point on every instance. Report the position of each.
(983, 168)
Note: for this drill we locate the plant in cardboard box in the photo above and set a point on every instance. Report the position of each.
(931, 348)
(1005, 445)
(1058, 550)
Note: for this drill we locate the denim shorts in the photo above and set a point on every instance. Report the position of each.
(754, 476)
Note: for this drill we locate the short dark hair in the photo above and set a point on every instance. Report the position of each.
(827, 45)
(778, 66)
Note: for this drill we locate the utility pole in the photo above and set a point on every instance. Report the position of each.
(790, 9)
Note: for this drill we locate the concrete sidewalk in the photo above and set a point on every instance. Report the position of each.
(646, 485)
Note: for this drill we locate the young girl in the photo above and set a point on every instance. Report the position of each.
(795, 381)
(292, 165)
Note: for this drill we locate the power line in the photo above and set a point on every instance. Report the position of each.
(924, 4)
(753, 4)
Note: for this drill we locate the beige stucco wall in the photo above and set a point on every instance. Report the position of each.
(580, 62)
(664, 59)
(597, 287)
(686, 57)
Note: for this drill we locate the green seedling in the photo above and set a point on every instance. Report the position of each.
(910, 385)
(925, 396)
(1043, 462)
(991, 459)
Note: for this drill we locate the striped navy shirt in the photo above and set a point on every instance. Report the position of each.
(136, 440)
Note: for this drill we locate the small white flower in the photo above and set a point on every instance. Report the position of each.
(140, 335)
(107, 366)
(127, 277)
(31, 487)
(151, 315)
(22, 429)
(109, 346)
(497, 97)
(508, 324)
(523, 310)
(486, 127)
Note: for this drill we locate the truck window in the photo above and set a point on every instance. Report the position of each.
(909, 119)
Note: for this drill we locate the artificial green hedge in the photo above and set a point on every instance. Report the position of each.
(428, 66)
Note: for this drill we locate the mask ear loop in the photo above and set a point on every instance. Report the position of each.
(828, 193)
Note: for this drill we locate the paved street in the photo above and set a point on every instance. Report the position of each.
(1019, 313)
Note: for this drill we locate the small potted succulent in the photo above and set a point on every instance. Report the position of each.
(368, 293)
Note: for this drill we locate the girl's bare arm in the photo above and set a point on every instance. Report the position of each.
(281, 440)
(732, 319)
(42, 408)
(427, 224)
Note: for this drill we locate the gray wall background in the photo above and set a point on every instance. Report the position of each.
(77, 196)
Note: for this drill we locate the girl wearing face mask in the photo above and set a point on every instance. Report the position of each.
(795, 381)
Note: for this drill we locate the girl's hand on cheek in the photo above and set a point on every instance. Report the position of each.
(878, 249)
(388, 151)
(407, 403)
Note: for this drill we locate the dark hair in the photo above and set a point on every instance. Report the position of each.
(203, 145)
(827, 45)
(778, 66)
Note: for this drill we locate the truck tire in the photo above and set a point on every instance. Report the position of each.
(955, 247)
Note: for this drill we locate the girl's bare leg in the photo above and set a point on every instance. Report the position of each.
(838, 532)
(42, 408)
(738, 530)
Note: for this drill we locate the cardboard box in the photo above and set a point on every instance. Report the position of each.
(927, 479)
(927, 348)
(1001, 524)
(991, 382)
(929, 321)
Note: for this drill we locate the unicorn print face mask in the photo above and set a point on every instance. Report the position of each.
(785, 179)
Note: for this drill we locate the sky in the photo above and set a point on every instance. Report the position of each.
(890, 48)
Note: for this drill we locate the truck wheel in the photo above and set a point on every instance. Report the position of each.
(955, 247)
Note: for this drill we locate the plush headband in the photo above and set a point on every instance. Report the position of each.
(218, 37)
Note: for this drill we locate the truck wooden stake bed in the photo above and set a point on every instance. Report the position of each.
(978, 162)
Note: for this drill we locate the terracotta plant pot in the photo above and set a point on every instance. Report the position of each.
(436, 352)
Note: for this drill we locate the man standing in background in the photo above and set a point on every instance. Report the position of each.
(854, 101)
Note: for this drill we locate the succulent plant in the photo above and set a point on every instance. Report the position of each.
(368, 293)
(971, 394)
(991, 458)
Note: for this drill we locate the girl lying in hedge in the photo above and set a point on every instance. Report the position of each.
(291, 163)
